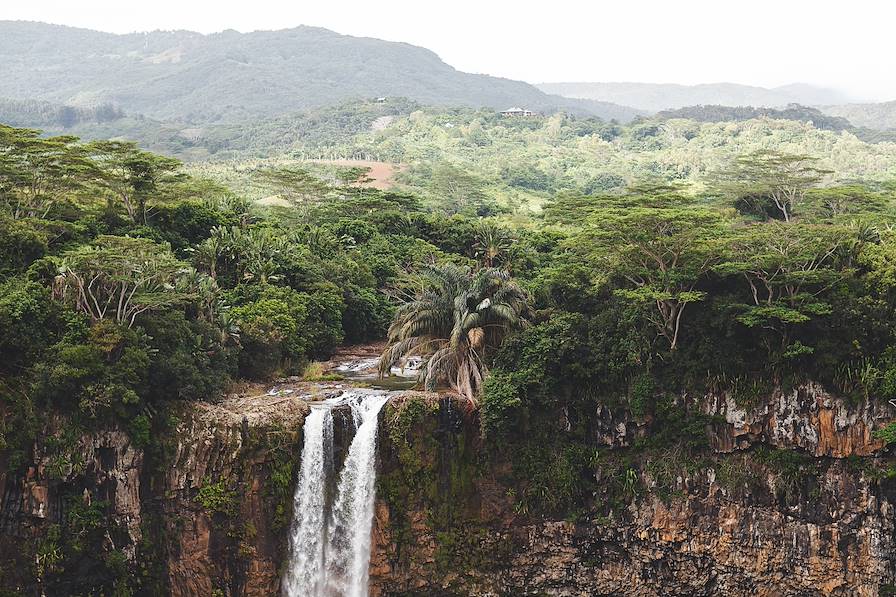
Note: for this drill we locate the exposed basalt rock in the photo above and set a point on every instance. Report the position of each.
(231, 547)
(615, 427)
(806, 417)
(152, 508)
(98, 468)
(740, 523)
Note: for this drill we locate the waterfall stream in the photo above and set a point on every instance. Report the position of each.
(330, 539)
(305, 573)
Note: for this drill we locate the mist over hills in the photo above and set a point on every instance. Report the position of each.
(231, 76)
(654, 97)
(880, 116)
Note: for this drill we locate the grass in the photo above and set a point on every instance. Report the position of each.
(315, 371)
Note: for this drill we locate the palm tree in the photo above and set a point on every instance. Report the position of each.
(207, 253)
(491, 243)
(254, 251)
(451, 322)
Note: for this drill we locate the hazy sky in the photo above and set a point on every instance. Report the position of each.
(845, 45)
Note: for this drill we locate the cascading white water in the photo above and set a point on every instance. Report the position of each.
(329, 556)
(348, 554)
(305, 575)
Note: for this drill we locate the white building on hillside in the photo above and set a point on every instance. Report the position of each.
(512, 112)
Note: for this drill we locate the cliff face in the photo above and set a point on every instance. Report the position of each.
(806, 417)
(789, 499)
(791, 496)
(703, 542)
(82, 477)
(224, 496)
(204, 513)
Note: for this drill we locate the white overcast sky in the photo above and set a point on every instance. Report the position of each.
(845, 45)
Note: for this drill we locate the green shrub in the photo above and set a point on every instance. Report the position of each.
(190, 361)
(98, 371)
(29, 320)
(20, 245)
(217, 498)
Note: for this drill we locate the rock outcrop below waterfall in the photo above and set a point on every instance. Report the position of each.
(794, 496)
(197, 516)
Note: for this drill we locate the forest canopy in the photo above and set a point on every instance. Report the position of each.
(130, 281)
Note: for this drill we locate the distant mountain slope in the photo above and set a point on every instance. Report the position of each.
(49, 115)
(819, 119)
(873, 116)
(310, 130)
(231, 76)
(656, 97)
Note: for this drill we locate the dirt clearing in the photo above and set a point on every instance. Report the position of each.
(381, 174)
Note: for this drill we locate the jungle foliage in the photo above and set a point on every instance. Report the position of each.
(129, 281)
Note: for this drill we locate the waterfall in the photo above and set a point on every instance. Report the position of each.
(348, 555)
(330, 553)
(306, 570)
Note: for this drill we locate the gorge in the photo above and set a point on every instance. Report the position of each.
(746, 519)
(412, 343)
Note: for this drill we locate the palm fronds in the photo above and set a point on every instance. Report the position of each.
(452, 322)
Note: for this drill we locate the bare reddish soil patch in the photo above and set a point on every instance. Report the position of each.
(381, 174)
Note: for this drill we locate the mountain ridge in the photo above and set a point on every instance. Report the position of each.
(229, 76)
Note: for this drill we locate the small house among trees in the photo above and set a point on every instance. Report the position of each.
(516, 112)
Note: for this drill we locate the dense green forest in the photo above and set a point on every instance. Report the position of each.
(675, 144)
(458, 157)
(718, 113)
(815, 117)
(129, 283)
(310, 131)
(51, 116)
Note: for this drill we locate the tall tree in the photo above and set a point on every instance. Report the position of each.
(210, 251)
(459, 190)
(770, 182)
(788, 269)
(453, 320)
(119, 278)
(133, 176)
(491, 243)
(296, 185)
(658, 255)
(35, 173)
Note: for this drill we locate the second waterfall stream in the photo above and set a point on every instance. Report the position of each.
(329, 546)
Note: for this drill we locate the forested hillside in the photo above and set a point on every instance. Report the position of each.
(49, 115)
(874, 116)
(466, 157)
(306, 131)
(231, 77)
(132, 290)
(718, 113)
